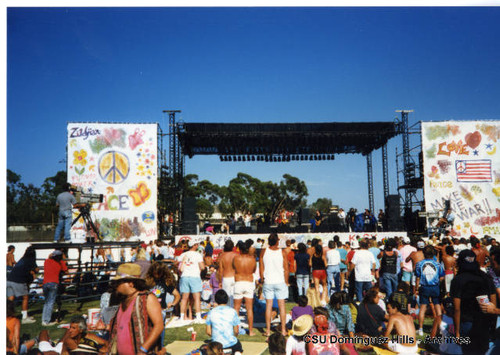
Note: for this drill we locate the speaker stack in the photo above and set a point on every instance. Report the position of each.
(190, 218)
(392, 213)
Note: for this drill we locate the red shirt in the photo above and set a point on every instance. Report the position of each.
(51, 270)
(350, 254)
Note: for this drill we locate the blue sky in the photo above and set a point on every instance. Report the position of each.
(246, 65)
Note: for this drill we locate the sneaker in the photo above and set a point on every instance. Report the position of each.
(199, 321)
(48, 324)
(420, 332)
(28, 320)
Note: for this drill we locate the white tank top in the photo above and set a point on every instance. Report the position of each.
(273, 267)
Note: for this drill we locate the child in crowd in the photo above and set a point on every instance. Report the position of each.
(214, 283)
(295, 345)
(277, 344)
(402, 297)
(223, 324)
(301, 308)
(215, 348)
(206, 289)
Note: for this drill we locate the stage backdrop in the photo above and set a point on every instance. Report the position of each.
(462, 164)
(118, 160)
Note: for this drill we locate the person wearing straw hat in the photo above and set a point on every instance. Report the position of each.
(301, 326)
(136, 327)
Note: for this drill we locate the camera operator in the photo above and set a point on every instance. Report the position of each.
(65, 201)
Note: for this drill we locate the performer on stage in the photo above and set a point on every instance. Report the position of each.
(65, 201)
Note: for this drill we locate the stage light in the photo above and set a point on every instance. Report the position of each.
(320, 157)
(253, 157)
(239, 157)
(229, 159)
(221, 158)
(315, 157)
(275, 159)
(301, 157)
(287, 158)
(267, 158)
(332, 156)
(243, 158)
(279, 159)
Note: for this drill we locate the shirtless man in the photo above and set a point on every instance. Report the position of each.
(404, 341)
(480, 251)
(244, 286)
(415, 257)
(449, 262)
(226, 270)
(11, 261)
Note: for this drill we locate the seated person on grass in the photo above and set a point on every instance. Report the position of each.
(80, 342)
(223, 324)
(301, 308)
(370, 319)
(296, 345)
(404, 341)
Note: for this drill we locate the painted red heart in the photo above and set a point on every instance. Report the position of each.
(473, 139)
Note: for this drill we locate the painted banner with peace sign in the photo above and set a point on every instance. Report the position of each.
(118, 160)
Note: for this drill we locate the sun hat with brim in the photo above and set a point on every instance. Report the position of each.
(128, 271)
(302, 325)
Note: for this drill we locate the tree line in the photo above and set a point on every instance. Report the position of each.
(27, 203)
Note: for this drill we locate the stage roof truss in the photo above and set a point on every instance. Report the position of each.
(284, 138)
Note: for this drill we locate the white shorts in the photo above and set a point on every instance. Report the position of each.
(44, 346)
(403, 349)
(228, 285)
(244, 289)
(447, 281)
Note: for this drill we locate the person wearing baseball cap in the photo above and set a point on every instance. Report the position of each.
(137, 325)
(190, 265)
(468, 288)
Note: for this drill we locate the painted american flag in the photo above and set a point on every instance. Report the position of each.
(473, 170)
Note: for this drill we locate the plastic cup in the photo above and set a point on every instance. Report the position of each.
(193, 336)
(483, 299)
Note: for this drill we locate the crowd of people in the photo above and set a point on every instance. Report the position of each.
(365, 293)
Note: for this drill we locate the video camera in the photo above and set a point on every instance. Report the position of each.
(85, 197)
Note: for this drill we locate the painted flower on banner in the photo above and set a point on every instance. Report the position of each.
(79, 157)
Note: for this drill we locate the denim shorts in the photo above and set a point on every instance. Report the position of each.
(190, 284)
(429, 292)
(272, 291)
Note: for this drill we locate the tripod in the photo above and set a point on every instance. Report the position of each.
(87, 220)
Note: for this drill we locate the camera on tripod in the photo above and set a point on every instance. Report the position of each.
(86, 197)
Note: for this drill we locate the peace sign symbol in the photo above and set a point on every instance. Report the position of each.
(114, 167)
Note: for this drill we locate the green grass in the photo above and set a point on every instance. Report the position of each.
(69, 310)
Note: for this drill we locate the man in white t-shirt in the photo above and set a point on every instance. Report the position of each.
(363, 262)
(190, 266)
(333, 268)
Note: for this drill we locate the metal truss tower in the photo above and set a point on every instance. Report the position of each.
(385, 171)
(369, 167)
(176, 170)
(412, 183)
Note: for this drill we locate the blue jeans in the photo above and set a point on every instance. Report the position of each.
(333, 273)
(65, 219)
(302, 284)
(390, 283)
(50, 293)
(360, 287)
